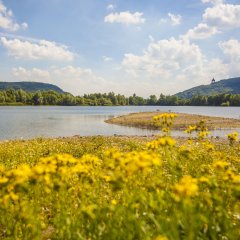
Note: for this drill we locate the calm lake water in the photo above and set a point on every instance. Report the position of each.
(51, 121)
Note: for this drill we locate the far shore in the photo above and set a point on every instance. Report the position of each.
(183, 120)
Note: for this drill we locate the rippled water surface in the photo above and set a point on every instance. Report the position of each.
(51, 121)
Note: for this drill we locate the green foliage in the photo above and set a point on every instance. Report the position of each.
(21, 97)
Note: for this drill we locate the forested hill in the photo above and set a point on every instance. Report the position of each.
(30, 86)
(231, 85)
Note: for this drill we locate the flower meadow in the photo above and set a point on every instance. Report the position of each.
(122, 188)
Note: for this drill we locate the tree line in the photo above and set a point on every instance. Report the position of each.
(20, 97)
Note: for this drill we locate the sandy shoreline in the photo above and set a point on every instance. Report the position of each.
(144, 120)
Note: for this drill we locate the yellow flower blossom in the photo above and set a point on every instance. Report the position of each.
(232, 137)
(190, 129)
(203, 179)
(236, 179)
(107, 178)
(165, 121)
(20, 175)
(203, 134)
(114, 202)
(2, 168)
(3, 180)
(220, 165)
(161, 238)
(187, 187)
(162, 141)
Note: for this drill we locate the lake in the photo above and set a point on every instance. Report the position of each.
(53, 121)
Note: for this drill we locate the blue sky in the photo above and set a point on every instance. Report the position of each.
(143, 47)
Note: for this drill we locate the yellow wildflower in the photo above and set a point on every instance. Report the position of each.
(229, 175)
(203, 134)
(190, 129)
(3, 180)
(187, 187)
(20, 175)
(161, 238)
(232, 137)
(165, 121)
(2, 168)
(114, 202)
(162, 141)
(107, 178)
(203, 179)
(236, 179)
(220, 165)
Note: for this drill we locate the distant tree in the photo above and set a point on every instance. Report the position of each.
(10, 96)
(2, 97)
(21, 96)
(152, 100)
(37, 98)
(68, 100)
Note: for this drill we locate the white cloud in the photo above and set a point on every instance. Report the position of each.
(107, 59)
(231, 48)
(74, 73)
(201, 31)
(43, 49)
(173, 65)
(151, 38)
(24, 26)
(111, 7)
(163, 57)
(223, 16)
(71, 79)
(216, 19)
(214, 2)
(31, 75)
(175, 19)
(7, 21)
(125, 18)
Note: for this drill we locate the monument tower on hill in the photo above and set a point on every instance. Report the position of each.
(213, 81)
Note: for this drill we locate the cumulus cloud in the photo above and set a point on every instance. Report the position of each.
(23, 49)
(175, 19)
(110, 7)
(201, 31)
(72, 79)
(223, 16)
(173, 64)
(214, 2)
(216, 19)
(75, 73)
(125, 18)
(163, 57)
(34, 74)
(231, 51)
(7, 21)
(107, 59)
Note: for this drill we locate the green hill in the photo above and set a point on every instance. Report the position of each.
(231, 85)
(30, 86)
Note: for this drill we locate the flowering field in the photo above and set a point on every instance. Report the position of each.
(114, 188)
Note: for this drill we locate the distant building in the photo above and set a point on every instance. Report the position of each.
(213, 81)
